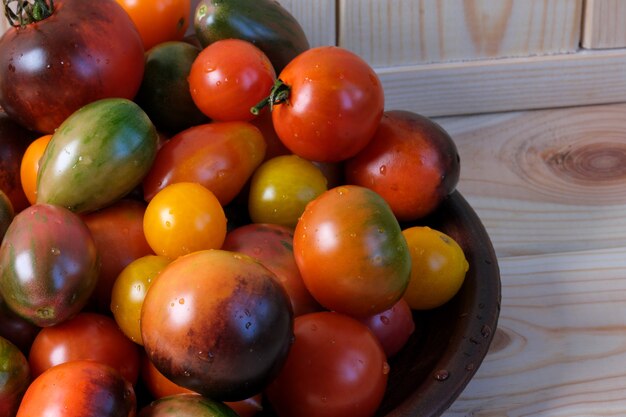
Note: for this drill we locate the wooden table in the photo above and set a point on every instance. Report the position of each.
(550, 188)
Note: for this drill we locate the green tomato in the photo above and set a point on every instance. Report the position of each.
(282, 187)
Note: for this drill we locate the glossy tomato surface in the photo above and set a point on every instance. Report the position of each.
(29, 167)
(14, 377)
(16, 329)
(218, 323)
(187, 405)
(335, 368)
(79, 389)
(351, 252)
(332, 105)
(83, 52)
(392, 327)
(86, 336)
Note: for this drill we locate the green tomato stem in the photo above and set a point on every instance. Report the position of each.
(278, 94)
(25, 12)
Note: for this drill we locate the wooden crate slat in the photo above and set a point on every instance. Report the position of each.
(604, 24)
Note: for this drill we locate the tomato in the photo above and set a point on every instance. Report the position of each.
(48, 264)
(14, 377)
(412, 162)
(327, 105)
(438, 267)
(86, 336)
(82, 52)
(392, 327)
(79, 388)
(221, 156)
(6, 213)
(274, 147)
(226, 346)
(184, 217)
(158, 21)
(351, 252)
(97, 156)
(190, 405)
(129, 291)
(29, 166)
(164, 93)
(272, 245)
(118, 233)
(14, 140)
(335, 368)
(281, 188)
(229, 77)
(16, 329)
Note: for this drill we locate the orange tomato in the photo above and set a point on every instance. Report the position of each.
(158, 20)
(30, 166)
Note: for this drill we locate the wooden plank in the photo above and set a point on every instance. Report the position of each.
(486, 86)
(603, 24)
(404, 32)
(546, 181)
(318, 19)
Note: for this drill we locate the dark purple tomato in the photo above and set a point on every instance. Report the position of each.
(16, 329)
(14, 377)
(392, 327)
(48, 264)
(81, 52)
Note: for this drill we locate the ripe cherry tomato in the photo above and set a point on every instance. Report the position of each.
(158, 21)
(79, 388)
(351, 252)
(182, 218)
(335, 368)
(86, 336)
(329, 104)
(411, 162)
(392, 327)
(229, 77)
(30, 166)
(281, 188)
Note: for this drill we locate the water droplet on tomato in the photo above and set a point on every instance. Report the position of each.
(248, 325)
(181, 301)
(441, 375)
(384, 320)
(383, 169)
(55, 251)
(386, 368)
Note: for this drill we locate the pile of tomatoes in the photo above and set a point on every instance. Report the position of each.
(210, 225)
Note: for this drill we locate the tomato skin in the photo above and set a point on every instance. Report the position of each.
(117, 231)
(79, 388)
(83, 52)
(335, 368)
(6, 213)
(272, 245)
(392, 327)
(221, 156)
(334, 106)
(186, 405)
(16, 329)
(29, 166)
(411, 161)
(97, 156)
(49, 264)
(14, 377)
(227, 346)
(158, 21)
(351, 253)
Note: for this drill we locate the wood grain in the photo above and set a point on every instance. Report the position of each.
(405, 32)
(603, 24)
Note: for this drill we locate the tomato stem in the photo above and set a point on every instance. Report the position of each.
(278, 94)
(20, 13)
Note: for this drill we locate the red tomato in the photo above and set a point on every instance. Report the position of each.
(392, 327)
(229, 77)
(329, 106)
(82, 52)
(118, 233)
(351, 252)
(86, 336)
(158, 21)
(79, 389)
(335, 368)
(272, 245)
(221, 156)
(411, 162)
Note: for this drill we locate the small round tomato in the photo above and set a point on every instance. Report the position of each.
(181, 405)
(14, 377)
(335, 368)
(392, 327)
(438, 267)
(184, 217)
(79, 388)
(412, 162)
(30, 166)
(351, 252)
(86, 336)
(327, 105)
(158, 21)
(218, 323)
(281, 188)
(129, 291)
(229, 77)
